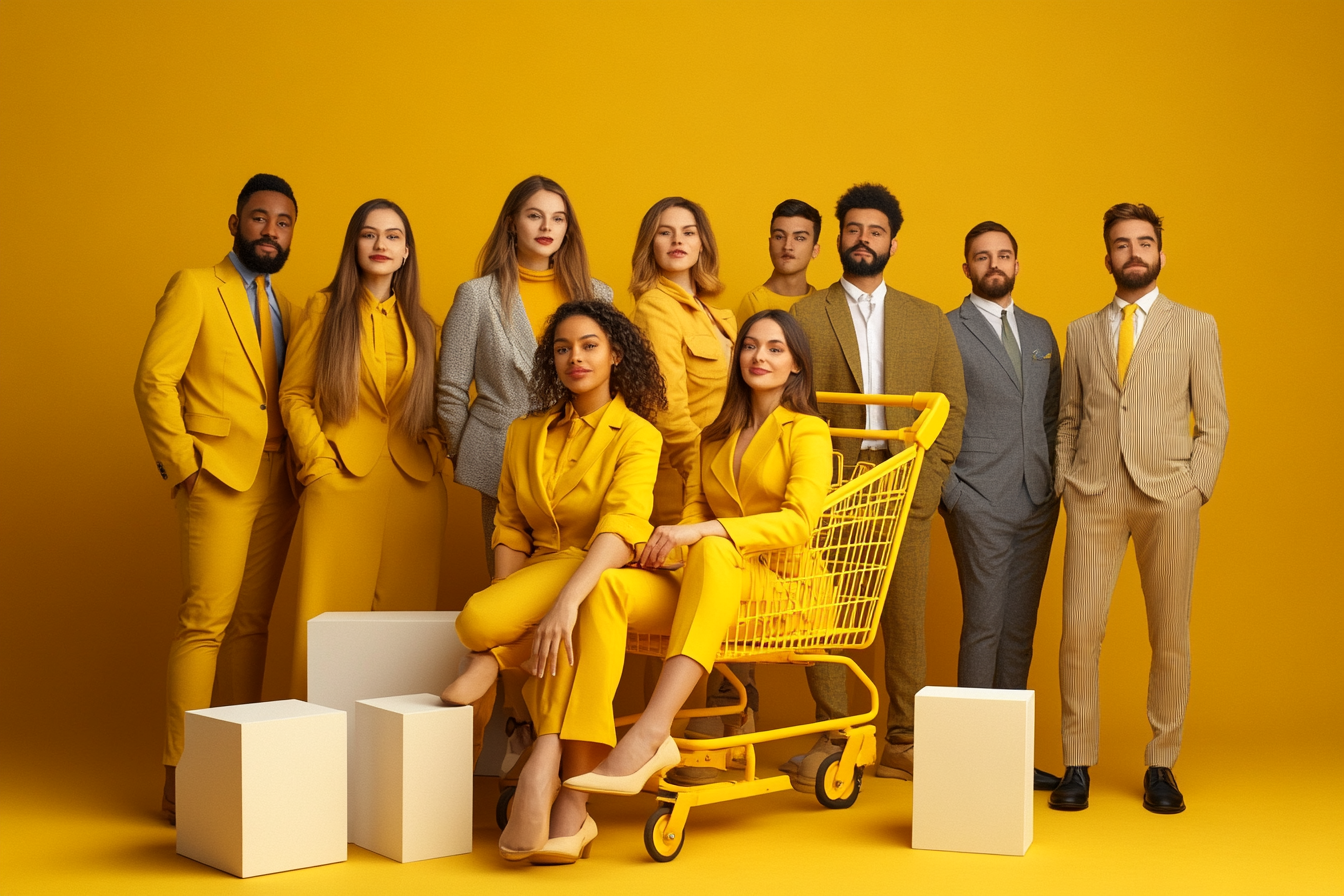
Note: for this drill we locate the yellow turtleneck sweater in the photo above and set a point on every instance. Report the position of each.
(541, 296)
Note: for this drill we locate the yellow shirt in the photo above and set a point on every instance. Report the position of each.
(541, 296)
(761, 299)
(384, 331)
(567, 436)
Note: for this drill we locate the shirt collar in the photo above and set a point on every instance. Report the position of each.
(569, 415)
(1145, 304)
(993, 308)
(244, 271)
(856, 295)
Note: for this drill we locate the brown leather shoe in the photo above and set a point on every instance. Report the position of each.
(804, 779)
(898, 761)
(170, 794)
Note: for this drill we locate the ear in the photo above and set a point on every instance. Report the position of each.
(233, 225)
(894, 244)
(1107, 259)
(1162, 258)
(616, 356)
(966, 269)
(816, 250)
(1017, 266)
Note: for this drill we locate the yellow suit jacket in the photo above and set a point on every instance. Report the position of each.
(1175, 371)
(690, 357)
(200, 386)
(356, 444)
(786, 472)
(608, 489)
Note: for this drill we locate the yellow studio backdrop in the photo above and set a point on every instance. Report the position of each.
(129, 128)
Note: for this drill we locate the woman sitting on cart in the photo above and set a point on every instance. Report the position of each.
(575, 495)
(765, 468)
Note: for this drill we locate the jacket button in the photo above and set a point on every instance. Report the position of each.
(383, 419)
(263, 407)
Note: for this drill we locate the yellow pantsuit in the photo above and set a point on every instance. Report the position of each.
(689, 341)
(373, 511)
(202, 391)
(566, 480)
(785, 474)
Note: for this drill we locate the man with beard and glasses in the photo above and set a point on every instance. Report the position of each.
(999, 500)
(869, 338)
(207, 389)
(1130, 467)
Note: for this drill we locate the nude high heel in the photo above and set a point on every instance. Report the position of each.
(568, 850)
(668, 756)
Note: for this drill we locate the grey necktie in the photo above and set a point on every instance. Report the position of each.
(1010, 344)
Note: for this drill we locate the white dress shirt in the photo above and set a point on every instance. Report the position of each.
(993, 313)
(867, 313)
(1116, 314)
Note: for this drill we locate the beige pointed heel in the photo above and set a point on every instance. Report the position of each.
(568, 850)
(667, 757)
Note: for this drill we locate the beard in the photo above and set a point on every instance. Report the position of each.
(860, 268)
(1137, 278)
(262, 264)
(996, 289)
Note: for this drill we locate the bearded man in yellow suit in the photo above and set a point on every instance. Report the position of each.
(207, 389)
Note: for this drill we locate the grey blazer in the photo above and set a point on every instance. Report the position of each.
(478, 346)
(1009, 435)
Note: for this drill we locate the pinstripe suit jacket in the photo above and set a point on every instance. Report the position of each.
(1176, 370)
(479, 346)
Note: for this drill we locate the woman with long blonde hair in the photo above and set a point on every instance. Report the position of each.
(358, 400)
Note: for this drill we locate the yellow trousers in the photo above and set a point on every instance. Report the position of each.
(694, 606)
(502, 618)
(233, 550)
(366, 543)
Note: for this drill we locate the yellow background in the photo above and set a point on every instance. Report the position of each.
(129, 128)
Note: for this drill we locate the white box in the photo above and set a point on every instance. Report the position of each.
(261, 787)
(973, 770)
(410, 796)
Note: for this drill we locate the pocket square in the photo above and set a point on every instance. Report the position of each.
(1037, 356)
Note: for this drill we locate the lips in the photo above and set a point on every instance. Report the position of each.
(545, 240)
(757, 371)
(577, 372)
(379, 258)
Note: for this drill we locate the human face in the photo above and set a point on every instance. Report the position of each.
(540, 228)
(262, 233)
(382, 247)
(865, 242)
(676, 241)
(991, 265)
(793, 244)
(765, 360)
(1132, 256)
(583, 356)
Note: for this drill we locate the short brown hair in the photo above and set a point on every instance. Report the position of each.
(644, 270)
(986, 227)
(1130, 211)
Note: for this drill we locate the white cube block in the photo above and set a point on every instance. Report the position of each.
(410, 795)
(261, 787)
(973, 770)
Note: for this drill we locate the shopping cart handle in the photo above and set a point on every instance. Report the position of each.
(933, 408)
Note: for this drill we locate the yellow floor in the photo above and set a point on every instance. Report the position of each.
(1258, 825)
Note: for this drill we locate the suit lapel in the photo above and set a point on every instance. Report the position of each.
(837, 309)
(233, 292)
(974, 321)
(761, 444)
(1159, 315)
(405, 378)
(1101, 344)
(517, 327)
(607, 426)
(721, 468)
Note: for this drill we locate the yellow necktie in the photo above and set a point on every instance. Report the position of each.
(275, 429)
(1126, 350)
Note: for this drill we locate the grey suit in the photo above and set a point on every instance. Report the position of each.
(478, 345)
(999, 501)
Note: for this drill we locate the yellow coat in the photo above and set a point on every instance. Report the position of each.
(200, 386)
(608, 489)
(776, 503)
(357, 443)
(690, 355)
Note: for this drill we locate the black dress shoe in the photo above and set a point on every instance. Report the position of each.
(1071, 794)
(1044, 780)
(1160, 793)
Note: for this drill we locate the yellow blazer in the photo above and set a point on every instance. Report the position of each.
(690, 356)
(200, 386)
(786, 473)
(357, 443)
(609, 488)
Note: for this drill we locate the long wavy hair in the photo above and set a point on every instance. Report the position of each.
(499, 255)
(799, 396)
(636, 378)
(644, 270)
(338, 360)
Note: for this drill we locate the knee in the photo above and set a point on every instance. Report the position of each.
(716, 551)
(473, 627)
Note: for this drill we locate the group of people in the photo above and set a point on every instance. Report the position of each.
(631, 470)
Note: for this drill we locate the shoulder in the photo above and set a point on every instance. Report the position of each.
(478, 287)
(1193, 315)
(1032, 320)
(317, 303)
(801, 424)
(913, 305)
(602, 291)
(811, 305)
(637, 431)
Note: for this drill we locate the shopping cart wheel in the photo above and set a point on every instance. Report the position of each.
(660, 848)
(502, 806)
(832, 792)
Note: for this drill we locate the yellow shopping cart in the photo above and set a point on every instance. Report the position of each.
(805, 601)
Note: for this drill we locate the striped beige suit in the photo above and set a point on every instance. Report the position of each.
(1129, 466)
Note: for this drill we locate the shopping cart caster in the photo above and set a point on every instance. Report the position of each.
(831, 791)
(502, 806)
(663, 846)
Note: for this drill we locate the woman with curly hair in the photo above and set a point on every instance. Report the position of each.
(575, 495)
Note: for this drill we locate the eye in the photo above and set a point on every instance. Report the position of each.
(394, 236)
(284, 224)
